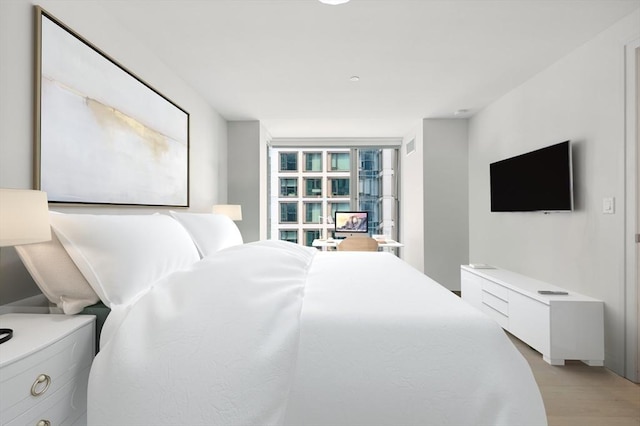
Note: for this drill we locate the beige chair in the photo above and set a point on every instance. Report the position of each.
(358, 244)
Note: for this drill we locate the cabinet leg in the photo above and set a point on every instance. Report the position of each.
(594, 362)
(553, 361)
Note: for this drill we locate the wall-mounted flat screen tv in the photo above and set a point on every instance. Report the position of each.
(539, 180)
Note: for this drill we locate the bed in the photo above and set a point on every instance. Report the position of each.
(203, 329)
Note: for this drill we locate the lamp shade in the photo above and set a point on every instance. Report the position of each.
(234, 211)
(24, 217)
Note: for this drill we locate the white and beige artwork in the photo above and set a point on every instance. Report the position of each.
(105, 137)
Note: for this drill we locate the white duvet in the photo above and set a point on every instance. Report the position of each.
(273, 333)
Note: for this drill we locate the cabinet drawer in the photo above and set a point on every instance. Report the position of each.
(496, 303)
(495, 289)
(471, 287)
(63, 407)
(498, 316)
(529, 322)
(62, 362)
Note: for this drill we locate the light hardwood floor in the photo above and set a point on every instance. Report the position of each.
(578, 395)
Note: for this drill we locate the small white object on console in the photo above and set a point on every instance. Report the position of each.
(561, 326)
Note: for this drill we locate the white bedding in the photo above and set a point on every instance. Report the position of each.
(274, 333)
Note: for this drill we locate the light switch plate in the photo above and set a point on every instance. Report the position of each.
(608, 205)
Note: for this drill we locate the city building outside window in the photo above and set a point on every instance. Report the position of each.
(290, 235)
(289, 212)
(313, 187)
(339, 161)
(338, 207)
(313, 161)
(288, 187)
(310, 235)
(288, 161)
(303, 198)
(312, 212)
(339, 187)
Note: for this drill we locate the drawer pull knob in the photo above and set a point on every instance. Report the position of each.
(37, 389)
(43, 423)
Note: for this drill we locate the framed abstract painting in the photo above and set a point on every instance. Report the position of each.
(102, 135)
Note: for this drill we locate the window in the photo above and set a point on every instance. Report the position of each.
(310, 235)
(312, 161)
(338, 207)
(312, 212)
(288, 212)
(339, 161)
(307, 185)
(339, 187)
(369, 186)
(288, 187)
(290, 235)
(288, 161)
(370, 159)
(313, 187)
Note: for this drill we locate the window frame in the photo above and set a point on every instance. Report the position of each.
(281, 204)
(281, 153)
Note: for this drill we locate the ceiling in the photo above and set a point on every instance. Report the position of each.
(288, 63)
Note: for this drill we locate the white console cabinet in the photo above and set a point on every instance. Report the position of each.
(560, 327)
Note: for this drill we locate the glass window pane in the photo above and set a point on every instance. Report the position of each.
(371, 196)
(339, 161)
(339, 187)
(288, 161)
(310, 235)
(288, 212)
(313, 162)
(288, 187)
(312, 212)
(313, 187)
(339, 207)
(290, 235)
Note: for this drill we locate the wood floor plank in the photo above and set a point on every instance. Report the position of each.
(592, 421)
(578, 395)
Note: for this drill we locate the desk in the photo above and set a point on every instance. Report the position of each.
(325, 244)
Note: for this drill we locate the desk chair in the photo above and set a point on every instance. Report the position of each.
(358, 244)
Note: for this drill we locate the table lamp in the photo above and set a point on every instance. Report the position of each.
(233, 211)
(24, 219)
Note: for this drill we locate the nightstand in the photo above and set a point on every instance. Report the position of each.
(44, 369)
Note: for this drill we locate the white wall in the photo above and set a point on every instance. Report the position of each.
(446, 201)
(265, 139)
(245, 174)
(208, 180)
(412, 201)
(580, 98)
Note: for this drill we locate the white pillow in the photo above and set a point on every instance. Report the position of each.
(211, 232)
(57, 276)
(122, 256)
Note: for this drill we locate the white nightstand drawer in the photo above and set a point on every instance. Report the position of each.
(61, 362)
(59, 350)
(63, 407)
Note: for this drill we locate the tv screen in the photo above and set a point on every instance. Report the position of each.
(539, 180)
(351, 223)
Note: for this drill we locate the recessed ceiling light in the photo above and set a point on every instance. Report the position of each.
(333, 2)
(354, 78)
(461, 111)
